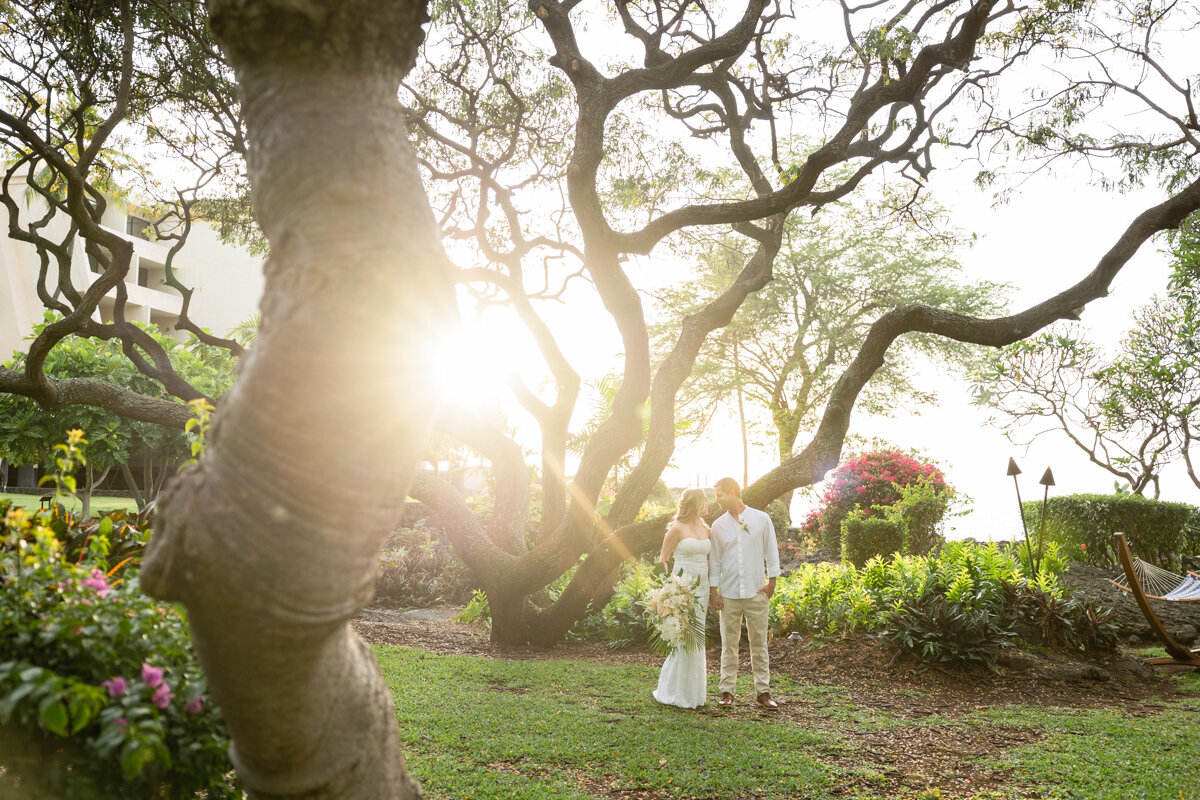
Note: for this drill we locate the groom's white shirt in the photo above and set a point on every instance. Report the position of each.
(744, 554)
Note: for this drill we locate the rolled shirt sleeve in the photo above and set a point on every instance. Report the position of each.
(771, 545)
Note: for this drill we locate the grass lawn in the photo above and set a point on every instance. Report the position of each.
(99, 503)
(495, 728)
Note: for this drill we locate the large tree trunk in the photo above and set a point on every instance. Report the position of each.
(331, 403)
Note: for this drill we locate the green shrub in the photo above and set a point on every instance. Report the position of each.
(863, 538)
(824, 599)
(1083, 526)
(940, 628)
(1191, 535)
(417, 568)
(99, 687)
(922, 507)
(622, 621)
(963, 605)
(781, 518)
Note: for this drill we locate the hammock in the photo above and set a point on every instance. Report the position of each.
(1162, 584)
(1178, 589)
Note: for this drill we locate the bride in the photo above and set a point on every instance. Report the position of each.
(683, 681)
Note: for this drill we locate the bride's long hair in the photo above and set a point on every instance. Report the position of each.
(692, 504)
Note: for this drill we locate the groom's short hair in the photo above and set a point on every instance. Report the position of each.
(729, 485)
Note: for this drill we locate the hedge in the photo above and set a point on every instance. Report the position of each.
(863, 538)
(1083, 525)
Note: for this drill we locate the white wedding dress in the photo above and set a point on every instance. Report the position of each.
(683, 681)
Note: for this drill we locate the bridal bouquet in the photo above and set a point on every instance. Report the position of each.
(674, 612)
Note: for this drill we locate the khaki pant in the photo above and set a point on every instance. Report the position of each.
(755, 610)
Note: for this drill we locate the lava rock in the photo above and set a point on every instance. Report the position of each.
(1132, 667)
(1080, 672)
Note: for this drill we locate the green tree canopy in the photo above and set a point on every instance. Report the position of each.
(28, 430)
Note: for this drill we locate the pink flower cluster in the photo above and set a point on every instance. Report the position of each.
(870, 480)
(152, 676)
(97, 582)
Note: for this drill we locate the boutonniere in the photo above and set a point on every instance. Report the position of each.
(745, 527)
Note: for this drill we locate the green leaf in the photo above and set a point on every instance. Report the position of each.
(135, 755)
(53, 716)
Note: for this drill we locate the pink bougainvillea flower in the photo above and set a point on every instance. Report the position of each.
(151, 676)
(97, 582)
(162, 696)
(194, 705)
(115, 686)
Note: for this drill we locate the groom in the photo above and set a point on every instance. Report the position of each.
(743, 565)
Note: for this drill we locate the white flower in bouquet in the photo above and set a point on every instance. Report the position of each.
(671, 631)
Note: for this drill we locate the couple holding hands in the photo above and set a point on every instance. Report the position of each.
(736, 563)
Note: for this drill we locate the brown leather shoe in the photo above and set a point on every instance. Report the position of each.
(726, 699)
(766, 702)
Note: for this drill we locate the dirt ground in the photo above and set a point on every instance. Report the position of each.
(911, 758)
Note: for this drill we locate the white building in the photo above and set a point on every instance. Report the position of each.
(227, 284)
(227, 281)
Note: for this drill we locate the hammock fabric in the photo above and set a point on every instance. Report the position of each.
(1181, 592)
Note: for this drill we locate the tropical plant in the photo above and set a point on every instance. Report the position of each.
(101, 694)
(622, 621)
(1082, 525)
(417, 568)
(943, 627)
(963, 605)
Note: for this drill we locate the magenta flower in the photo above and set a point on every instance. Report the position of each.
(194, 705)
(121, 722)
(162, 696)
(115, 686)
(97, 582)
(151, 676)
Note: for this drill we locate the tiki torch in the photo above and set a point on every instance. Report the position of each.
(1047, 481)
(1014, 471)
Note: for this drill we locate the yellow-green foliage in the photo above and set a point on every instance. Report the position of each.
(838, 598)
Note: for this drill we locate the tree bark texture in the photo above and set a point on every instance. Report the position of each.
(331, 402)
